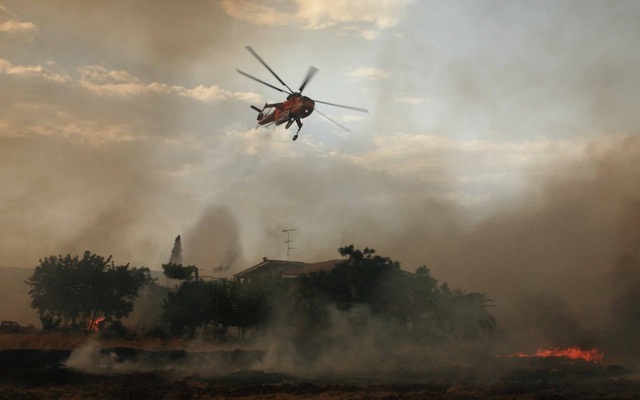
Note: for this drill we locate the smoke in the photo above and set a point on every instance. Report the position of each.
(213, 244)
(358, 343)
(562, 262)
(121, 173)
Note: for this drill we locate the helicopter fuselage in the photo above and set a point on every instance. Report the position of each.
(296, 107)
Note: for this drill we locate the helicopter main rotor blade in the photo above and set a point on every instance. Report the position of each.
(267, 67)
(342, 106)
(263, 82)
(343, 127)
(310, 74)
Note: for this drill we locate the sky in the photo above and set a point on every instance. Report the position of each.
(500, 149)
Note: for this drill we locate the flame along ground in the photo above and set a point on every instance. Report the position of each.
(574, 353)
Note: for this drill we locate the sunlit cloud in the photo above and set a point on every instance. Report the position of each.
(369, 73)
(473, 168)
(10, 24)
(407, 152)
(102, 81)
(362, 17)
(40, 71)
(410, 100)
(255, 13)
(17, 27)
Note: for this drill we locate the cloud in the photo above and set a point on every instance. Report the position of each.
(39, 71)
(250, 11)
(102, 81)
(17, 27)
(405, 152)
(12, 30)
(365, 18)
(368, 73)
(410, 100)
(9, 23)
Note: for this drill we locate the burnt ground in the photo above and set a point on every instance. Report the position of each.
(42, 374)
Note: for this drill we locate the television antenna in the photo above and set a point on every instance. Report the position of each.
(289, 241)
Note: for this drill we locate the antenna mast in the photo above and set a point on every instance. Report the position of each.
(289, 241)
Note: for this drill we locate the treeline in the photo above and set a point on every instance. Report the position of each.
(413, 304)
(72, 293)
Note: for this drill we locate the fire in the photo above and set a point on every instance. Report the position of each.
(95, 325)
(575, 353)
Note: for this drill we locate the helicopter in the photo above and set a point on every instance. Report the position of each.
(295, 107)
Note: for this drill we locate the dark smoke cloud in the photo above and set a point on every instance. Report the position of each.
(562, 264)
(213, 243)
(560, 261)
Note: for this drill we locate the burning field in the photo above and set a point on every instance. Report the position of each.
(91, 371)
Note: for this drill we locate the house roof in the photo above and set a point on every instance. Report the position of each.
(287, 268)
(309, 268)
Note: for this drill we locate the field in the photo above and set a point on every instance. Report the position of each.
(77, 367)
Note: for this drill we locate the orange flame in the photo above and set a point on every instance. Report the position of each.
(575, 353)
(95, 325)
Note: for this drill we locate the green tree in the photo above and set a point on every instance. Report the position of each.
(364, 278)
(187, 307)
(179, 272)
(222, 303)
(75, 291)
(413, 302)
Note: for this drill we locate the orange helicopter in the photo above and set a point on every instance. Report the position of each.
(295, 107)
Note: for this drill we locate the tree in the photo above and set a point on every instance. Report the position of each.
(413, 302)
(222, 303)
(74, 291)
(465, 315)
(361, 279)
(187, 307)
(176, 252)
(177, 271)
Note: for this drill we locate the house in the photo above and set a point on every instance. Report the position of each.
(286, 269)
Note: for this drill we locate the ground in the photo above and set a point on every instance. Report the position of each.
(167, 370)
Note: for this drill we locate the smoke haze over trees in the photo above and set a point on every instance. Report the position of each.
(308, 312)
(502, 146)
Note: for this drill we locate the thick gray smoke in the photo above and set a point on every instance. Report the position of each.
(562, 262)
(96, 157)
(213, 244)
